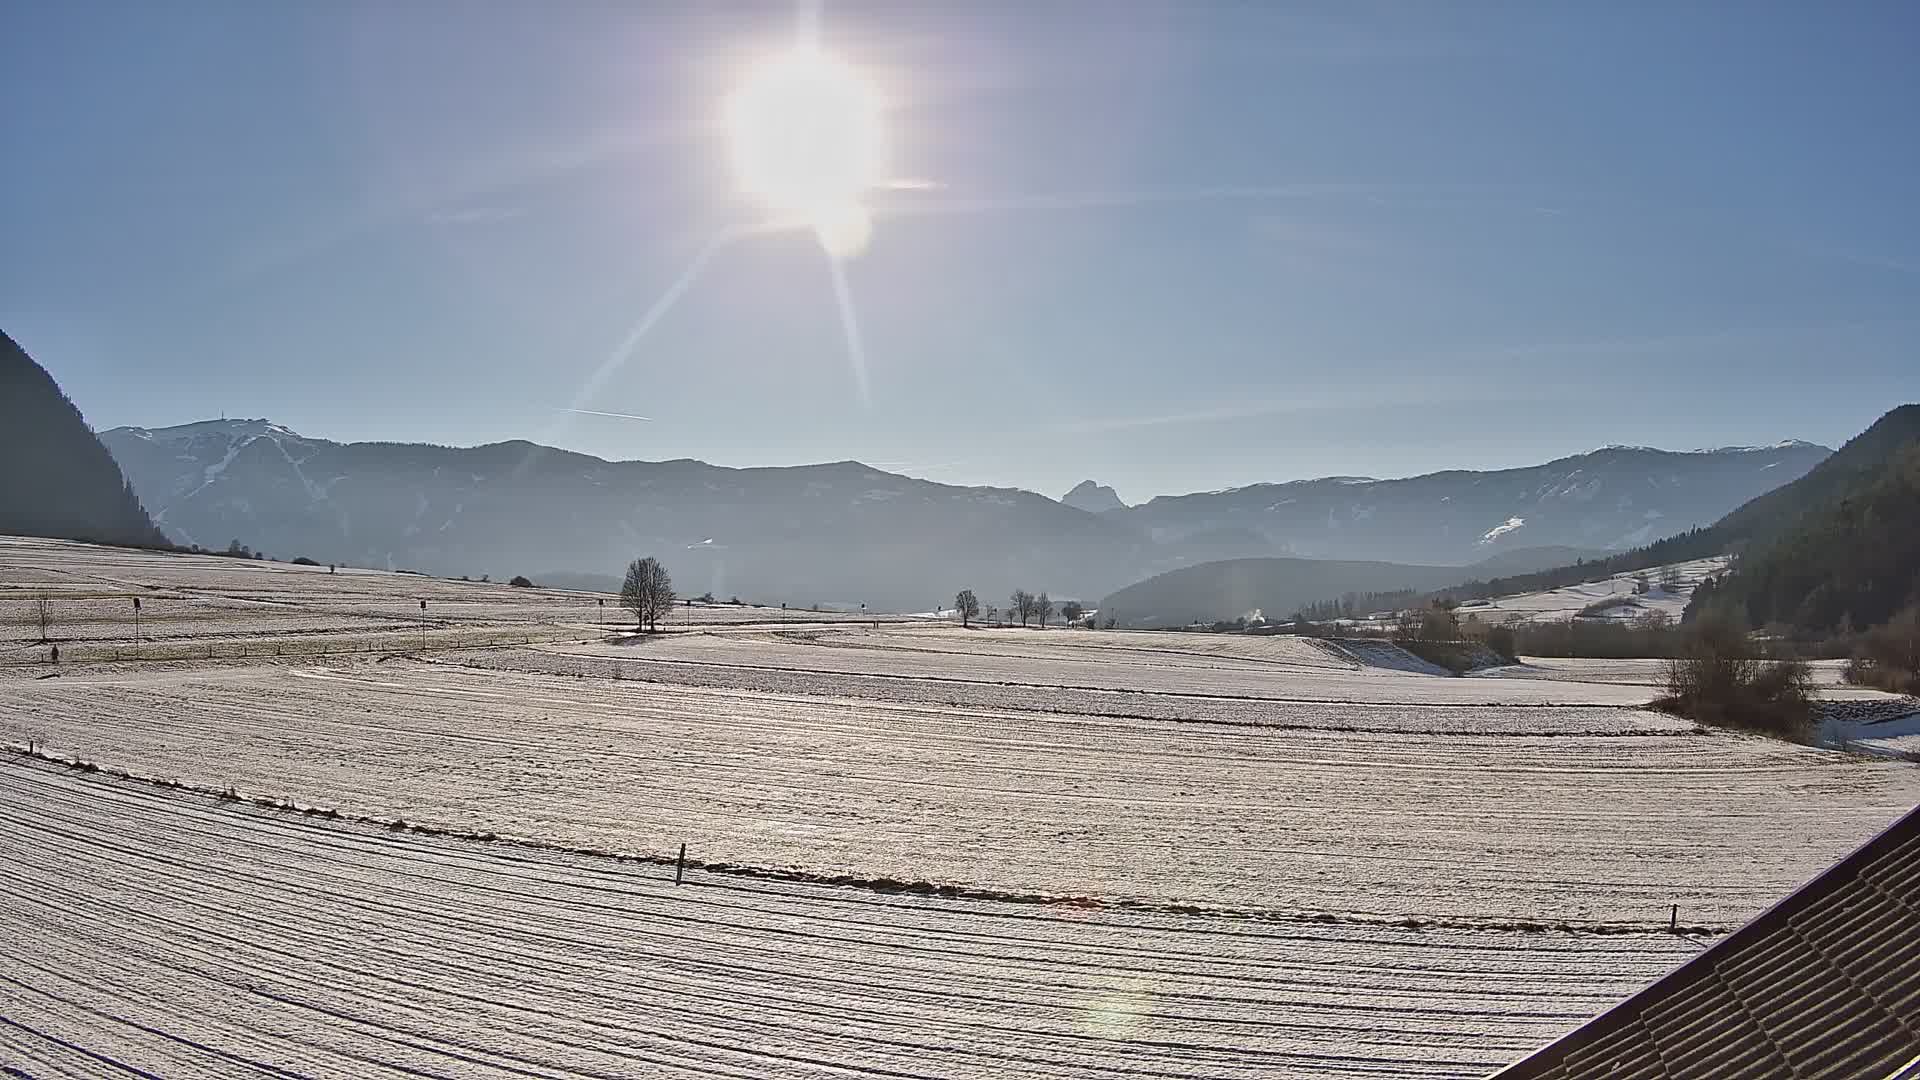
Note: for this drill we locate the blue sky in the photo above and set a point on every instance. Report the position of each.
(1170, 247)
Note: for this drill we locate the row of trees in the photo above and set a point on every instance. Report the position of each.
(1022, 605)
(647, 591)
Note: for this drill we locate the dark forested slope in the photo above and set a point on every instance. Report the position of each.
(55, 477)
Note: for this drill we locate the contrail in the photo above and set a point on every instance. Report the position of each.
(624, 350)
(856, 352)
(597, 412)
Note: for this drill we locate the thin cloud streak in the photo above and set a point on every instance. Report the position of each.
(475, 215)
(1089, 200)
(1735, 335)
(1259, 409)
(598, 412)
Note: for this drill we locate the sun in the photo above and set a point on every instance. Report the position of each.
(805, 137)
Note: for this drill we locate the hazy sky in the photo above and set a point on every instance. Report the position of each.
(1170, 247)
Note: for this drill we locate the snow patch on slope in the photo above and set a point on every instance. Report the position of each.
(1502, 529)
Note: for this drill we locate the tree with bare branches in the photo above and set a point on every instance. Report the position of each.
(647, 592)
(967, 605)
(1020, 605)
(1042, 609)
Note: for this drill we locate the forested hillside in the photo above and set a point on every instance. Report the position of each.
(1846, 566)
(55, 478)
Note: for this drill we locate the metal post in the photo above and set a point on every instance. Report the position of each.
(680, 867)
(1673, 921)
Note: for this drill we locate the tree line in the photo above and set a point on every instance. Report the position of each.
(1022, 605)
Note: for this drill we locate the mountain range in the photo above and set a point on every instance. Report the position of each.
(846, 533)
(1614, 498)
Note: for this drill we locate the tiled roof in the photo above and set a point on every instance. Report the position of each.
(1825, 983)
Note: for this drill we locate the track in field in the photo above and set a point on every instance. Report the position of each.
(1602, 829)
(161, 933)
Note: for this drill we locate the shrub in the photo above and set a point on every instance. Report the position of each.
(304, 561)
(1501, 640)
(1609, 607)
(521, 581)
(1888, 656)
(1718, 679)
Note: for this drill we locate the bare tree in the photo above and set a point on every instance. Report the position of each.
(647, 592)
(1072, 611)
(967, 605)
(1021, 605)
(1042, 608)
(43, 612)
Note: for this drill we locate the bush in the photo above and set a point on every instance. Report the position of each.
(521, 581)
(304, 561)
(1888, 656)
(1651, 635)
(1718, 679)
(1501, 640)
(1609, 607)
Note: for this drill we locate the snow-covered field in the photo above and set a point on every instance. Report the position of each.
(173, 934)
(1136, 662)
(241, 607)
(1549, 816)
(951, 853)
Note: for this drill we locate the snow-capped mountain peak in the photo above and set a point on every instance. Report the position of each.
(200, 429)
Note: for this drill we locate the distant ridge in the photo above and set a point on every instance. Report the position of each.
(56, 479)
(846, 533)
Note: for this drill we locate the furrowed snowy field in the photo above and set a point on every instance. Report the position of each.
(916, 850)
(182, 936)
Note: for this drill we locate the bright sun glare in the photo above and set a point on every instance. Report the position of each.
(805, 137)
